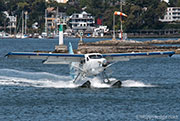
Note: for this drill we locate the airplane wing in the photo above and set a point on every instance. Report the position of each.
(128, 56)
(56, 58)
(48, 58)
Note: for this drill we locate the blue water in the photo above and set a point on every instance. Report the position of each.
(32, 91)
(149, 39)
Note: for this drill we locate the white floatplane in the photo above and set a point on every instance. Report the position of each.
(85, 65)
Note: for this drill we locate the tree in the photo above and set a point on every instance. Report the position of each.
(2, 8)
(37, 13)
(173, 3)
(178, 3)
(145, 14)
(142, 14)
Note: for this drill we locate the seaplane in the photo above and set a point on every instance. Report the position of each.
(88, 65)
(83, 66)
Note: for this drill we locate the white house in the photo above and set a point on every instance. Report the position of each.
(82, 21)
(165, 1)
(172, 15)
(59, 1)
(12, 20)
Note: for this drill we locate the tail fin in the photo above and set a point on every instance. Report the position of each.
(70, 48)
(72, 69)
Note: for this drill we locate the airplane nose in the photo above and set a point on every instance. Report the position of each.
(104, 63)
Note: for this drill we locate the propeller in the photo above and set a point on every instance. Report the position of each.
(104, 63)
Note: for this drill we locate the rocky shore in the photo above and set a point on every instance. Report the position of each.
(163, 42)
(117, 46)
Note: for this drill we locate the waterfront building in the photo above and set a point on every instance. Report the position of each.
(53, 19)
(12, 20)
(100, 31)
(81, 22)
(172, 15)
(167, 1)
(59, 1)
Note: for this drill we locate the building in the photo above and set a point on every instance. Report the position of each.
(12, 20)
(81, 22)
(167, 1)
(59, 1)
(52, 19)
(100, 31)
(172, 15)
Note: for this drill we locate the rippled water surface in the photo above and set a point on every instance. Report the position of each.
(30, 90)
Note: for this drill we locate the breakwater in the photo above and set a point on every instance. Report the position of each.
(117, 46)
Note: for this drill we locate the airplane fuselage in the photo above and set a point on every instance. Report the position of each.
(94, 64)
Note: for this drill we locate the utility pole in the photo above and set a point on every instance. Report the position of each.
(114, 33)
(26, 22)
(121, 20)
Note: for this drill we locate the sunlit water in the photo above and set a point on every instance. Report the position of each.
(30, 90)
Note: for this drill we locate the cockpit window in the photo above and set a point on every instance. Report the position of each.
(95, 56)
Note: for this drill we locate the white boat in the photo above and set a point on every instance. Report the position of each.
(21, 36)
(4, 35)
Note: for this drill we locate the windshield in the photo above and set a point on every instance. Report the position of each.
(95, 56)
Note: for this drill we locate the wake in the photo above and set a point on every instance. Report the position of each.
(132, 83)
(48, 80)
(35, 79)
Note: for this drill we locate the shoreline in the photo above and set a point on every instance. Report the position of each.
(117, 46)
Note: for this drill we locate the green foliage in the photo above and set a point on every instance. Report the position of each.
(174, 26)
(173, 3)
(145, 14)
(22, 5)
(142, 14)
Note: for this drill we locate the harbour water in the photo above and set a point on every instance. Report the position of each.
(30, 90)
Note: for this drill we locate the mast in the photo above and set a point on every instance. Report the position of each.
(56, 24)
(46, 22)
(15, 31)
(22, 23)
(10, 28)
